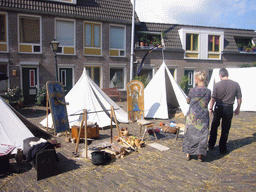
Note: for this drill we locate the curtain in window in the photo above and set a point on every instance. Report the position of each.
(210, 42)
(88, 35)
(96, 35)
(29, 30)
(217, 43)
(116, 78)
(65, 32)
(117, 37)
(195, 42)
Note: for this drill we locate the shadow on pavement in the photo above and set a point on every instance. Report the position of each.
(232, 145)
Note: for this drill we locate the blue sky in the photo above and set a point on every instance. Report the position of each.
(239, 14)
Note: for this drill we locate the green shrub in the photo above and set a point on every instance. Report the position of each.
(143, 79)
(41, 97)
(14, 96)
(184, 83)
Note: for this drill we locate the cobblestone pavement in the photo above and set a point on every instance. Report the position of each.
(149, 169)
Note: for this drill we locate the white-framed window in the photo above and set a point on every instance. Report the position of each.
(117, 41)
(3, 32)
(214, 46)
(29, 34)
(65, 34)
(94, 72)
(117, 76)
(202, 43)
(92, 39)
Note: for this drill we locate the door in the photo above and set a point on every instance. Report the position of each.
(190, 84)
(66, 78)
(29, 84)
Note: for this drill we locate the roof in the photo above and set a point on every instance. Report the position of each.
(119, 11)
(172, 40)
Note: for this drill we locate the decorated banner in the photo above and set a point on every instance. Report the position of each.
(56, 95)
(135, 100)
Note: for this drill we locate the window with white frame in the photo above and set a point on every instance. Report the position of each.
(192, 42)
(92, 39)
(214, 46)
(116, 77)
(65, 34)
(29, 34)
(202, 43)
(117, 41)
(3, 32)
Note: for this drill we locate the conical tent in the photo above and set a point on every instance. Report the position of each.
(87, 95)
(14, 127)
(243, 76)
(162, 91)
(12, 130)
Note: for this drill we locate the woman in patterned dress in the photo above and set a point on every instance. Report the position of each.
(197, 119)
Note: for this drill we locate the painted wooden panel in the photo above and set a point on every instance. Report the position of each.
(114, 52)
(56, 95)
(92, 51)
(213, 56)
(26, 48)
(3, 47)
(135, 100)
(69, 50)
(192, 55)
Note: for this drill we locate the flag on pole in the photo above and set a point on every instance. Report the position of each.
(144, 57)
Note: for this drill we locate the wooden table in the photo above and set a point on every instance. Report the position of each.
(147, 125)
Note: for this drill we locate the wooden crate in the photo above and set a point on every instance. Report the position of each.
(92, 132)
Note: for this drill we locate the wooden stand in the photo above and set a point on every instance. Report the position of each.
(147, 125)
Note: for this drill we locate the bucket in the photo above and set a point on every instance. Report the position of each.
(98, 157)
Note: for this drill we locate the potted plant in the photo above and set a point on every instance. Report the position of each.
(156, 40)
(142, 39)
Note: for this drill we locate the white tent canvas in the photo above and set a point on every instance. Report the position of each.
(87, 95)
(12, 130)
(245, 77)
(162, 91)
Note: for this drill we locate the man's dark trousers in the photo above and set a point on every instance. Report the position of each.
(226, 114)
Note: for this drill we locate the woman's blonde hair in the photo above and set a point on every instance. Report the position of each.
(200, 75)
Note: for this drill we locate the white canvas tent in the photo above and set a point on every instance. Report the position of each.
(87, 95)
(246, 78)
(14, 127)
(161, 91)
(12, 130)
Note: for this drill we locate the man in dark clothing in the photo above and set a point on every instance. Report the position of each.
(224, 94)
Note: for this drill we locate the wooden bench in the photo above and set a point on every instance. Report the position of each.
(112, 92)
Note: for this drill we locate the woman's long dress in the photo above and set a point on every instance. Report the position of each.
(197, 122)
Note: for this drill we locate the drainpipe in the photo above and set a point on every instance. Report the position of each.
(132, 41)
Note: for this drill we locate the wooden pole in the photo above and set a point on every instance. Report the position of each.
(112, 109)
(47, 105)
(79, 133)
(85, 133)
(111, 126)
